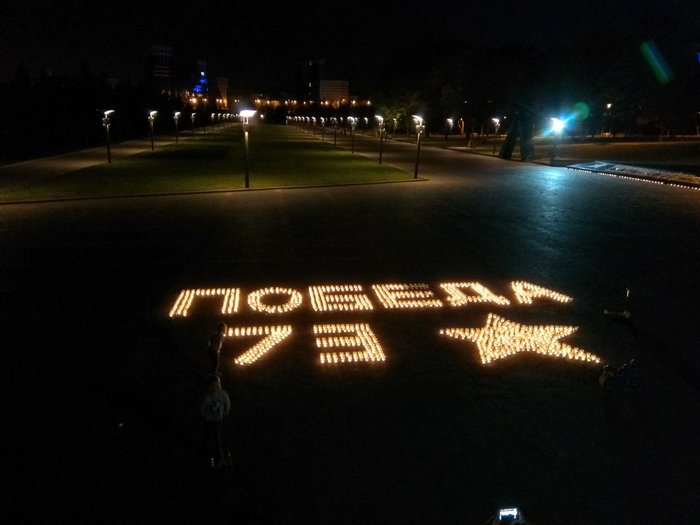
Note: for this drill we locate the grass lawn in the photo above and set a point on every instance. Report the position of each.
(278, 156)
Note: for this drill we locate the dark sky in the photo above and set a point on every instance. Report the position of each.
(262, 41)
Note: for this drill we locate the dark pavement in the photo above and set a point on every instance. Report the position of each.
(102, 387)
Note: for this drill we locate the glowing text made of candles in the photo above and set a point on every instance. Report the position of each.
(352, 297)
(356, 342)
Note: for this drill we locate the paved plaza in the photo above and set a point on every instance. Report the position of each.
(104, 375)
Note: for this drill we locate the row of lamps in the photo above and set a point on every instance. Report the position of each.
(418, 121)
(244, 115)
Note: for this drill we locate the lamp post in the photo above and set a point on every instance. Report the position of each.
(192, 117)
(353, 123)
(245, 115)
(557, 128)
(380, 126)
(151, 120)
(420, 128)
(496, 124)
(176, 117)
(213, 120)
(323, 129)
(106, 122)
(448, 129)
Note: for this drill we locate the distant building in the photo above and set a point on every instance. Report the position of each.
(222, 88)
(334, 91)
(309, 83)
(160, 68)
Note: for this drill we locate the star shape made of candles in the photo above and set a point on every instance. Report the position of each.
(500, 338)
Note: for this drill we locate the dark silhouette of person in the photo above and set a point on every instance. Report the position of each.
(214, 349)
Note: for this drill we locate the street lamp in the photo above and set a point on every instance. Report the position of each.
(106, 122)
(496, 124)
(323, 129)
(448, 129)
(557, 128)
(380, 126)
(176, 117)
(245, 115)
(192, 117)
(213, 120)
(353, 123)
(420, 128)
(151, 120)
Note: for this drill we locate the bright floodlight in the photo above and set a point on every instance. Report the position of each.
(246, 114)
(557, 125)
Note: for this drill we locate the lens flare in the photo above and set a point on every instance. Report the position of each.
(581, 110)
(656, 61)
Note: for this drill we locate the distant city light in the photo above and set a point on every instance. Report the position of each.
(202, 85)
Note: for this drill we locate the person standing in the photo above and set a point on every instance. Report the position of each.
(216, 341)
(215, 406)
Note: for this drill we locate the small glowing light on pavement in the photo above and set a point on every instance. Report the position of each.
(358, 337)
(526, 292)
(500, 338)
(481, 294)
(273, 335)
(347, 297)
(411, 295)
(255, 300)
(184, 301)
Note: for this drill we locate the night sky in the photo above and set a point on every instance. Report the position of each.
(261, 43)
